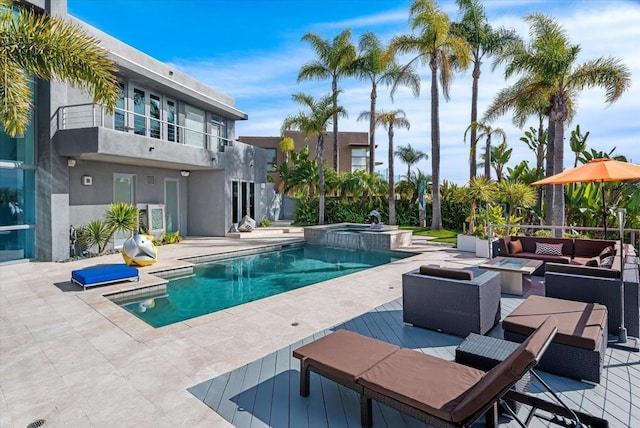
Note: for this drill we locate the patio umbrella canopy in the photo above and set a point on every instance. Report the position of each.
(596, 171)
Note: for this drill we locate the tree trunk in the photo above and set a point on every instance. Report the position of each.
(321, 179)
(474, 116)
(392, 193)
(549, 189)
(487, 158)
(334, 88)
(372, 129)
(436, 222)
(539, 163)
(558, 191)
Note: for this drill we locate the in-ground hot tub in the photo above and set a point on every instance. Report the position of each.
(358, 236)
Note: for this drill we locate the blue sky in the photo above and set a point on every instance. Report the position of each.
(251, 50)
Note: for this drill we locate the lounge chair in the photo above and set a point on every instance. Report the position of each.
(435, 391)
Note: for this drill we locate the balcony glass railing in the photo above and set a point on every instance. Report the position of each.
(91, 115)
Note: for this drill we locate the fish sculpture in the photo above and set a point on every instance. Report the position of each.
(139, 250)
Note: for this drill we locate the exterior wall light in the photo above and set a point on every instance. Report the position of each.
(185, 173)
(71, 163)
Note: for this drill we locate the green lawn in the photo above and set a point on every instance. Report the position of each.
(448, 236)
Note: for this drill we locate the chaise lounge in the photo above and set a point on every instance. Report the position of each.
(435, 391)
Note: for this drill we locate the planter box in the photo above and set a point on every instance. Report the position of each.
(482, 248)
(466, 243)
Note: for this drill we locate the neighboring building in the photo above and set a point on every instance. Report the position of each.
(353, 149)
(168, 147)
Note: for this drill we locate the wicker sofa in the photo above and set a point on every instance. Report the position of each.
(575, 252)
(451, 300)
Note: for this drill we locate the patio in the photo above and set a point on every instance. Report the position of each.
(73, 358)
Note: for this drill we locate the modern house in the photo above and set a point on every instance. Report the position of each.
(353, 149)
(169, 148)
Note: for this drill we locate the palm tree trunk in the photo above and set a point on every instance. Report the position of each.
(487, 158)
(549, 189)
(539, 163)
(558, 191)
(334, 88)
(392, 194)
(474, 118)
(436, 222)
(372, 129)
(321, 179)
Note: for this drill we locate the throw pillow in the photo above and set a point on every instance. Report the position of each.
(606, 252)
(515, 247)
(594, 262)
(548, 249)
(607, 262)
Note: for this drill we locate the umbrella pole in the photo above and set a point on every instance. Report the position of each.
(604, 210)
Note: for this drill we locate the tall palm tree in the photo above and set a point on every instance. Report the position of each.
(314, 124)
(440, 49)
(410, 156)
(484, 40)
(378, 65)
(47, 48)
(390, 120)
(549, 62)
(335, 60)
(486, 131)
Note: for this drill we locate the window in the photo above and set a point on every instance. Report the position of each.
(194, 124)
(271, 158)
(118, 114)
(171, 121)
(155, 112)
(139, 125)
(218, 131)
(359, 159)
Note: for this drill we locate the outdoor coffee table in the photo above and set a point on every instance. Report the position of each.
(511, 271)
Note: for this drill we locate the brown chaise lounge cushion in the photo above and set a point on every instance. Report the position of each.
(448, 390)
(345, 354)
(449, 273)
(579, 324)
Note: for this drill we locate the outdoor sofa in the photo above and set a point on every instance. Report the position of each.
(451, 300)
(435, 391)
(575, 252)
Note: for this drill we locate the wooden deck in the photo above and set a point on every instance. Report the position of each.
(265, 393)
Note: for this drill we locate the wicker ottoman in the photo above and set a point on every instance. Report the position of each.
(484, 353)
(578, 348)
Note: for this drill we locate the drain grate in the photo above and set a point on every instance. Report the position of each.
(36, 424)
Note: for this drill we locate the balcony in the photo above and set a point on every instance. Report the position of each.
(87, 131)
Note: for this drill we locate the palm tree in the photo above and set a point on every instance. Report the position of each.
(377, 64)
(481, 189)
(390, 120)
(47, 48)
(500, 156)
(314, 124)
(484, 40)
(516, 195)
(486, 131)
(410, 156)
(335, 59)
(548, 62)
(440, 49)
(287, 145)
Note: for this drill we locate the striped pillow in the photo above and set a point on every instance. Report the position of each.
(548, 249)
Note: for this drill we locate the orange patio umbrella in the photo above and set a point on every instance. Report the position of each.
(596, 171)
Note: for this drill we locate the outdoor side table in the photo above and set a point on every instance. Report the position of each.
(484, 353)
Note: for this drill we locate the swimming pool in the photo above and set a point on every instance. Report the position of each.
(230, 282)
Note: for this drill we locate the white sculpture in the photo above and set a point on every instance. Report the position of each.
(247, 224)
(378, 224)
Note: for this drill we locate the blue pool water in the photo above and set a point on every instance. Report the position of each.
(230, 282)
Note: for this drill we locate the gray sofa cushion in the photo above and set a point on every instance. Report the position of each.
(451, 273)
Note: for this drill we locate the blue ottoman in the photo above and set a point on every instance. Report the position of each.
(104, 274)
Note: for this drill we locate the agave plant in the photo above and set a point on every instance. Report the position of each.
(95, 234)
